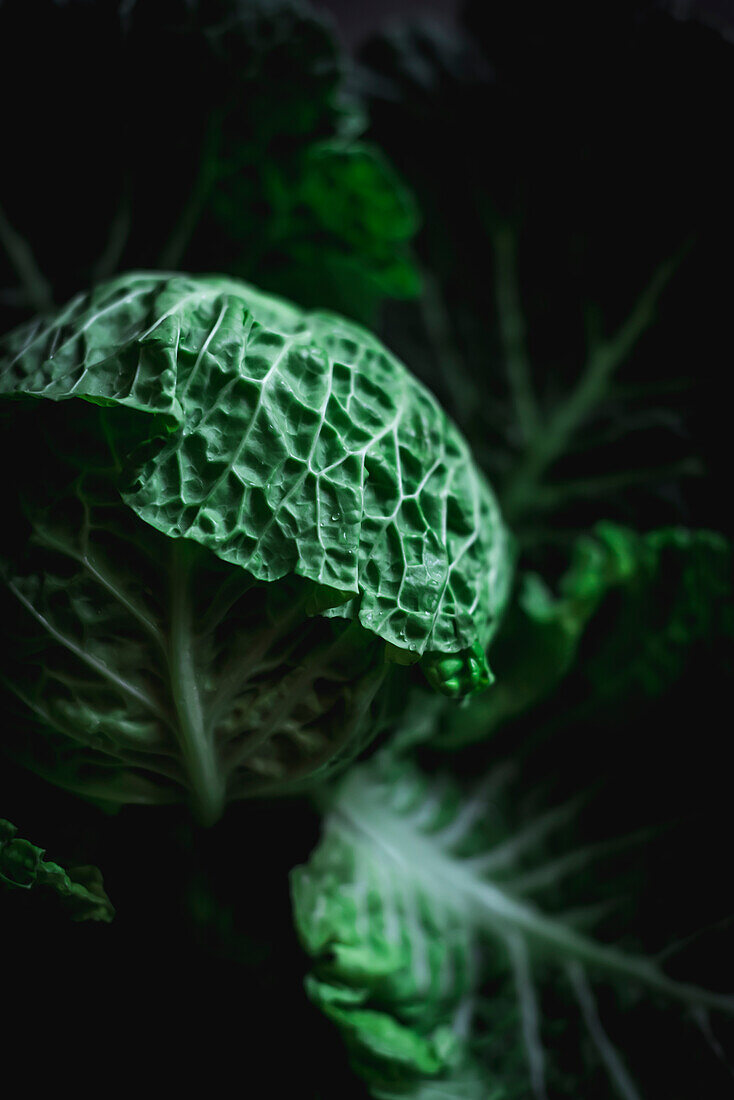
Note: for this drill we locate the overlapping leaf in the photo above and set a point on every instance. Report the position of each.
(285, 443)
(414, 905)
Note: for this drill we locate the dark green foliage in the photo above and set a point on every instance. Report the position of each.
(632, 613)
(669, 597)
(210, 136)
(337, 228)
(23, 866)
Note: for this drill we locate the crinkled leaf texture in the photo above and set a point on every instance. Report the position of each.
(181, 444)
(420, 916)
(23, 865)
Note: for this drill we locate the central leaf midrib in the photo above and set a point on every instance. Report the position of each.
(490, 908)
(198, 751)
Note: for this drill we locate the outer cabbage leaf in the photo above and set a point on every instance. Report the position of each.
(395, 966)
(23, 866)
(152, 672)
(419, 909)
(286, 443)
(180, 445)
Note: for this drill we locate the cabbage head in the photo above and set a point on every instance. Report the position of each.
(227, 522)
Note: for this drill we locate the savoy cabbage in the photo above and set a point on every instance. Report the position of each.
(244, 516)
(245, 553)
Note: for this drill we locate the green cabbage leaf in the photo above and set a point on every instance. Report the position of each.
(182, 443)
(433, 933)
(23, 866)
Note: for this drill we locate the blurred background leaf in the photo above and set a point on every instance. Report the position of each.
(575, 187)
(204, 135)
